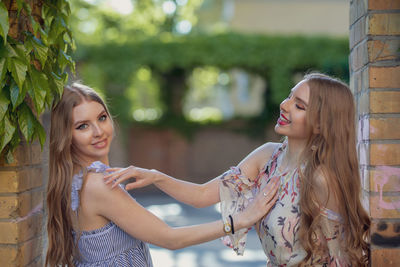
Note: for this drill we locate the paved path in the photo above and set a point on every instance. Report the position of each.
(210, 254)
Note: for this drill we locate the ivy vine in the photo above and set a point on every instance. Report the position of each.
(35, 42)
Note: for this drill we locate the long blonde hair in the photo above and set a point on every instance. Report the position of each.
(63, 161)
(333, 149)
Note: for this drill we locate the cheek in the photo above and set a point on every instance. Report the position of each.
(79, 138)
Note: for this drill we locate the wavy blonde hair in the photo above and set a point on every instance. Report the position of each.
(333, 149)
(63, 162)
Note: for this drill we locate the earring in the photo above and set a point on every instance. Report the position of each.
(314, 148)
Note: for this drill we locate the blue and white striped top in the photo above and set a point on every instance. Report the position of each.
(108, 245)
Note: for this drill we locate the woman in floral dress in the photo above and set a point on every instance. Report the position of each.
(318, 219)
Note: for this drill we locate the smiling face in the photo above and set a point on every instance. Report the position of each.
(92, 132)
(292, 120)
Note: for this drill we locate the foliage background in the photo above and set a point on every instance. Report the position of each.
(35, 42)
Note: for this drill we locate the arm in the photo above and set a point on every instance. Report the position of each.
(118, 206)
(197, 195)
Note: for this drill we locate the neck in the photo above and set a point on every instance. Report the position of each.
(291, 157)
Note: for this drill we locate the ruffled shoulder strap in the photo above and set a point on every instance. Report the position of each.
(271, 164)
(77, 181)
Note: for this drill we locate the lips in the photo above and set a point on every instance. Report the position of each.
(282, 120)
(100, 144)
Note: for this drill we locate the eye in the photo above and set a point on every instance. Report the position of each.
(82, 126)
(300, 107)
(103, 117)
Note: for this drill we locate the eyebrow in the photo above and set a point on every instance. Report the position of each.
(83, 121)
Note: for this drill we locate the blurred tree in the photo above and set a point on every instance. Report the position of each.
(100, 21)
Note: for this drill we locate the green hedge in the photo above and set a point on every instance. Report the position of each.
(276, 58)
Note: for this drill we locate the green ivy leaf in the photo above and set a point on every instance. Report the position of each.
(19, 6)
(40, 88)
(40, 50)
(14, 94)
(3, 69)
(8, 131)
(4, 101)
(64, 59)
(40, 133)
(26, 121)
(58, 82)
(10, 51)
(18, 70)
(4, 26)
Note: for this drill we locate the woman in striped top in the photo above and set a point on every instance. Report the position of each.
(91, 224)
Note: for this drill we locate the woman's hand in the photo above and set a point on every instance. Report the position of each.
(144, 177)
(260, 205)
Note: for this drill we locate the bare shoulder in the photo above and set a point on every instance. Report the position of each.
(95, 190)
(264, 152)
(325, 196)
(255, 161)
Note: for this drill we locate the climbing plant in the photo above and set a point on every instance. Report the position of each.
(35, 42)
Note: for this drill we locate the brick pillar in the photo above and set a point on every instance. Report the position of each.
(375, 82)
(21, 208)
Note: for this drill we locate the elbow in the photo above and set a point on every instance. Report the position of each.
(173, 245)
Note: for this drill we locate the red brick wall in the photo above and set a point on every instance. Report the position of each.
(375, 81)
(21, 208)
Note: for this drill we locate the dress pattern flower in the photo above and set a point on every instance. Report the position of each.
(278, 230)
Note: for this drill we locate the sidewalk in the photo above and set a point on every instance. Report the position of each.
(210, 254)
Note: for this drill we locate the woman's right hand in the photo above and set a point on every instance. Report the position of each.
(143, 177)
(260, 206)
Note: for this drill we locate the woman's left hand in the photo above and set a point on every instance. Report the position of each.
(143, 177)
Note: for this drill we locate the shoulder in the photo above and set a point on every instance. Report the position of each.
(95, 190)
(255, 161)
(264, 152)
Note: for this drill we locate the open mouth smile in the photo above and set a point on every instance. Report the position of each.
(282, 120)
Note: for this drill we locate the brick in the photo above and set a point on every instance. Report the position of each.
(383, 50)
(384, 77)
(363, 104)
(8, 255)
(359, 56)
(355, 82)
(384, 101)
(385, 233)
(358, 8)
(21, 180)
(384, 128)
(26, 254)
(384, 24)
(385, 257)
(24, 155)
(14, 232)
(363, 128)
(29, 251)
(13, 207)
(357, 32)
(384, 154)
(384, 206)
(384, 179)
(363, 153)
(383, 4)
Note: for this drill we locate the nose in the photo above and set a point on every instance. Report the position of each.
(97, 130)
(283, 105)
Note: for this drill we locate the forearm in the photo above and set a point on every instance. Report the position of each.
(191, 235)
(197, 195)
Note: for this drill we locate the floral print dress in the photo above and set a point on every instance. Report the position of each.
(278, 231)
